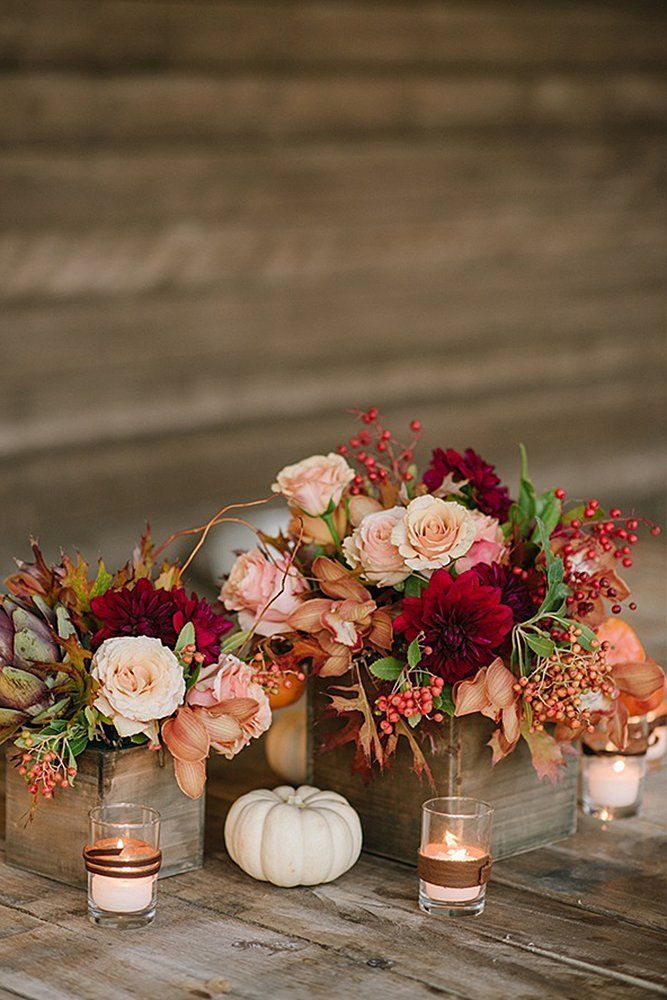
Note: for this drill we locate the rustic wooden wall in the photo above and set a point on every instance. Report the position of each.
(225, 222)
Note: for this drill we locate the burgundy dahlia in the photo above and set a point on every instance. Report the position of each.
(463, 623)
(489, 494)
(140, 610)
(209, 626)
(514, 592)
(145, 610)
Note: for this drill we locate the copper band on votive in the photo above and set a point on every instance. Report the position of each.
(101, 861)
(454, 874)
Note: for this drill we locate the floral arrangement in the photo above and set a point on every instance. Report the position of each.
(440, 595)
(117, 659)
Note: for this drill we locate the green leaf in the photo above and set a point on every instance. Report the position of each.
(233, 642)
(387, 669)
(540, 644)
(102, 582)
(543, 540)
(186, 637)
(414, 720)
(414, 653)
(555, 572)
(414, 586)
(444, 702)
(193, 678)
(139, 738)
(527, 499)
(549, 509)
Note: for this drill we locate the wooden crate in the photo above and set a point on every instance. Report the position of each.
(52, 842)
(529, 813)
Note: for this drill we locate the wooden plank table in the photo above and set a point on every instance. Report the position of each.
(584, 917)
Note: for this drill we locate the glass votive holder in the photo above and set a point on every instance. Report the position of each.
(122, 859)
(454, 861)
(612, 782)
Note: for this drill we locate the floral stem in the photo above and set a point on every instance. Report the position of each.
(329, 521)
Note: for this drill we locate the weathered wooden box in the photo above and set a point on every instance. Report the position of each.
(52, 842)
(529, 813)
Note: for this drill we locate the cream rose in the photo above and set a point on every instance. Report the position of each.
(370, 547)
(141, 682)
(432, 533)
(264, 593)
(489, 545)
(316, 484)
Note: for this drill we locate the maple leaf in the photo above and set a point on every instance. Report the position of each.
(546, 754)
(75, 584)
(169, 578)
(368, 740)
(142, 557)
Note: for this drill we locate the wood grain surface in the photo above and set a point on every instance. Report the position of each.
(585, 917)
(224, 223)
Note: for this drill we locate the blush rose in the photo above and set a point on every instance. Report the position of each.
(315, 485)
(432, 533)
(489, 545)
(263, 592)
(370, 548)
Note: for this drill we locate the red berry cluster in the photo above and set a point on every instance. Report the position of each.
(412, 701)
(380, 456)
(590, 541)
(271, 676)
(44, 771)
(555, 688)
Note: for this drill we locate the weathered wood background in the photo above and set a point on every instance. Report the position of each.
(222, 223)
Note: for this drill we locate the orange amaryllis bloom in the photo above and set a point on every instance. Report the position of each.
(343, 621)
(190, 734)
(640, 681)
(492, 693)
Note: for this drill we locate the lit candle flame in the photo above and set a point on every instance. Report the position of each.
(619, 766)
(119, 844)
(454, 852)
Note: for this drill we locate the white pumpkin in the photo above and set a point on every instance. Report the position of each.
(285, 743)
(293, 836)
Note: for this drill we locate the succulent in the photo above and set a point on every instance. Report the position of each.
(27, 654)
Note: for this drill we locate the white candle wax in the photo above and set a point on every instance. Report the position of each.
(122, 895)
(443, 852)
(614, 781)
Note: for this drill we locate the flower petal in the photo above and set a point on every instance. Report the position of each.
(308, 617)
(641, 680)
(500, 684)
(360, 506)
(381, 634)
(220, 728)
(337, 582)
(185, 735)
(241, 709)
(511, 723)
(471, 696)
(338, 663)
(191, 776)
